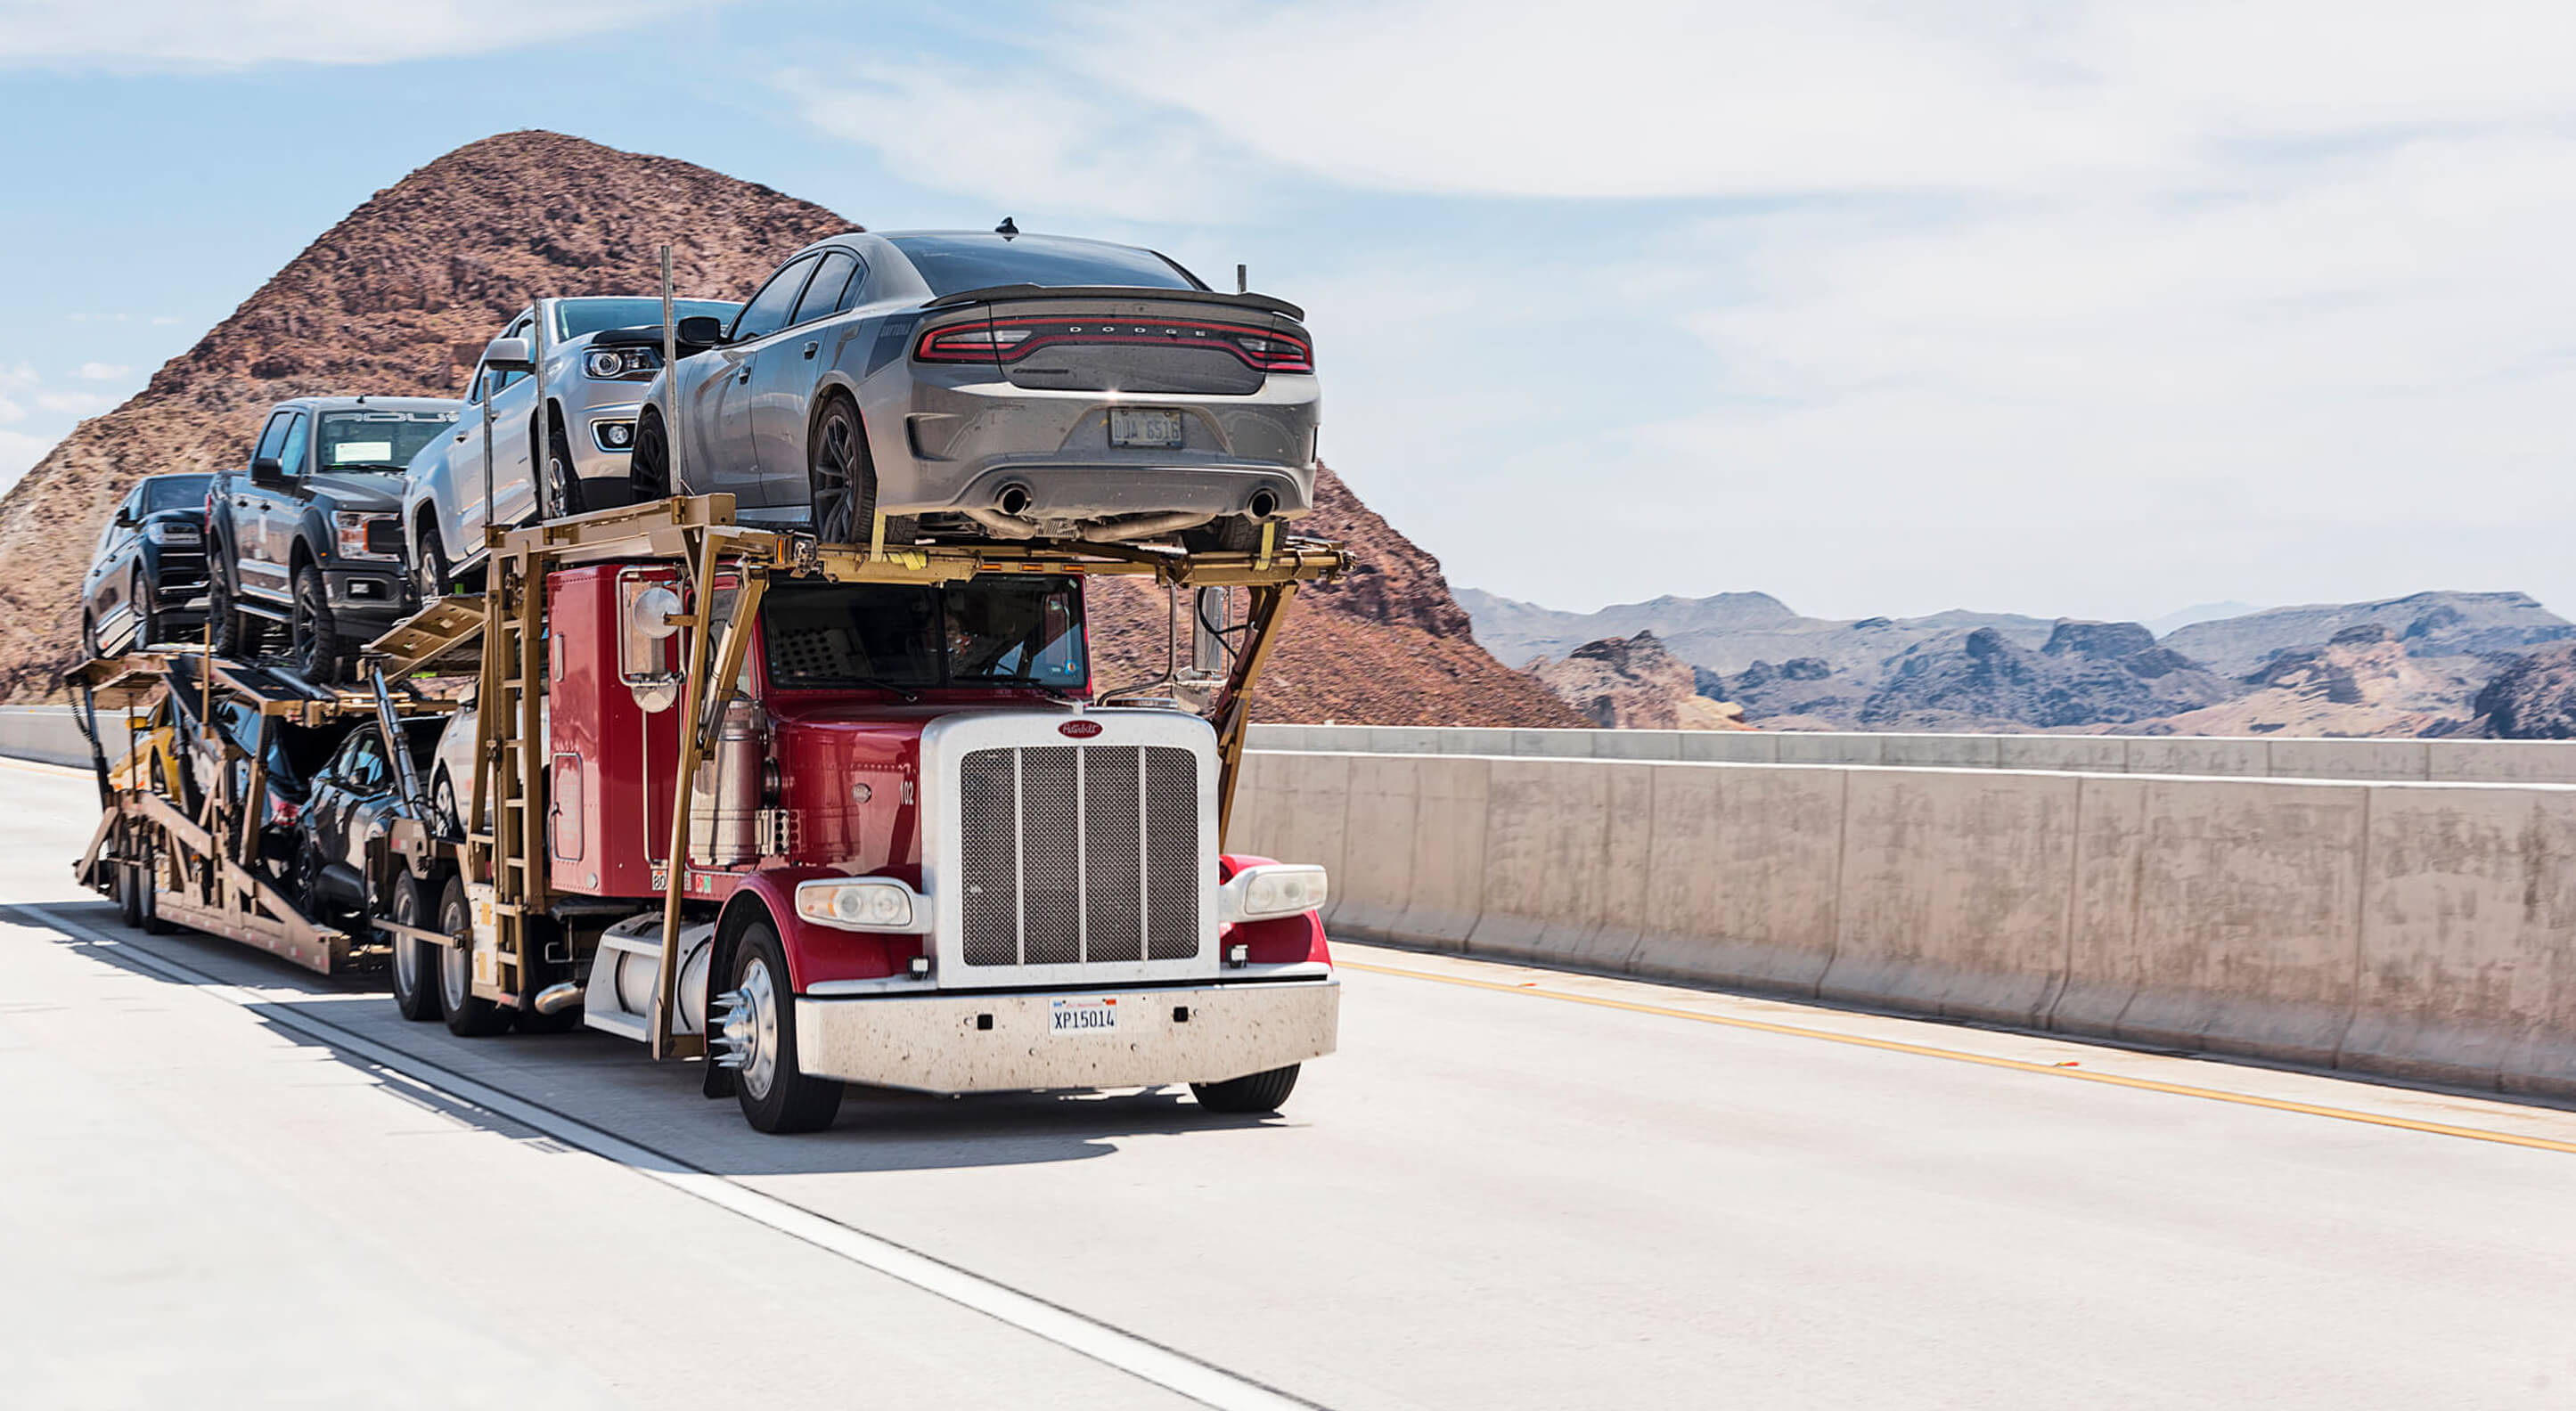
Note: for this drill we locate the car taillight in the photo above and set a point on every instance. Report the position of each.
(1010, 339)
(283, 812)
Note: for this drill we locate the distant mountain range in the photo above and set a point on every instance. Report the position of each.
(2402, 666)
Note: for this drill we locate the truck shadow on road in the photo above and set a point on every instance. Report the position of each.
(607, 1086)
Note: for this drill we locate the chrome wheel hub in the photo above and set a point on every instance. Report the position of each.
(746, 1029)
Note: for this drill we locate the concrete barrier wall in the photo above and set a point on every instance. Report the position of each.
(2419, 930)
(2254, 757)
(42, 733)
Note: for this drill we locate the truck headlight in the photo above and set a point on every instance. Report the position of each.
(362, 535)
(621, 362)
(162, 531)
(859, 904)
(1273, 889)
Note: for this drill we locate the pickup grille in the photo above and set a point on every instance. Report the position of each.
(1079, 854)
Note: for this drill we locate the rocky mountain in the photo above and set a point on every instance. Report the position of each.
(2364, 681)
(2532, 698)
(400, 296)
(2430, 624)
(1731, 631)
(1633, 683)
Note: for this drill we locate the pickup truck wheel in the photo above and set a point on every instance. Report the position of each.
(236, 634)
(149, 630)
(840, 478)
(648, 468)
(755, 1034)
(314, 640)
(415, 986)
(429, 574)
(563, 484)
(467, 1016)
(89, 637)
(1259, 1092)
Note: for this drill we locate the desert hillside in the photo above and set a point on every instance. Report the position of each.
(401, 295)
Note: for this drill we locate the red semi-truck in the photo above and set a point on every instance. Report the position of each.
(823, 814)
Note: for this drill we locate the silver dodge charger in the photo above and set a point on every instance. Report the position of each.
(1001, 384)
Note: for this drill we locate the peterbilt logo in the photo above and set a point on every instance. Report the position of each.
(1079, 729)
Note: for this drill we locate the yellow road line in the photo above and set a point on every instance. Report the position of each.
(2344, 1114)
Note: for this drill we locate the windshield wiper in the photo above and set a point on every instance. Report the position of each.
(909, 695)
(372, 465)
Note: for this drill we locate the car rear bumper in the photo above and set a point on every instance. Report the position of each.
(950, 1042)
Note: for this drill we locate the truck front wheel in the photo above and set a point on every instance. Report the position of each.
(467, 1016)
(753, 1026)
(1259, 1092)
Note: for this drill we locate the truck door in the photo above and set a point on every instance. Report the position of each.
(782, 381)
(730, 462)
(264, 516)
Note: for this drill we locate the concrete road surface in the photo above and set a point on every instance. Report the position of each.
(226, 1182)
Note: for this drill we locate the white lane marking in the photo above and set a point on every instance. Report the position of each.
(1137, 1356)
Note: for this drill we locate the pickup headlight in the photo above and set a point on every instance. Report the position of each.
(167, 533)
(860, 904)
(1272, 890)
(612, 363)
(368, 535)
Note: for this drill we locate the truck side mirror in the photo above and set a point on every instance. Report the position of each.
(1212, 612)
(508, 355)
(125, 517)
(704, 330)
(268, 470)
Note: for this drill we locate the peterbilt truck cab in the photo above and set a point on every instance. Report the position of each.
(918, 854)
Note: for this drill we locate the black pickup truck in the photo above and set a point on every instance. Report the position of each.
(308, 537)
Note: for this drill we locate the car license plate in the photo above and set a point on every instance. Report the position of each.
(1140, 426)
(1083, 1016)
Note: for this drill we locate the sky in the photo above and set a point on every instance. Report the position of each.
(2069, 309)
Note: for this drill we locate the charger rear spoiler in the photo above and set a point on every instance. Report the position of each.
(1000, 292)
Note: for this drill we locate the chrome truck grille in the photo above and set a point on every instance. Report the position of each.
(1069, 848)
(1080, 855)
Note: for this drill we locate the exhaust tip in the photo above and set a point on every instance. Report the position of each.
(1014, 500)
(554, 999)
(1264, 504)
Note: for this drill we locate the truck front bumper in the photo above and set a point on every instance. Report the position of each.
(965, 1043)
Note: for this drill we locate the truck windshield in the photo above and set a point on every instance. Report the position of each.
(378, 440)
(1018, 631)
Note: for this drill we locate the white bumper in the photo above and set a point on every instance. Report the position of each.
(941, 1043)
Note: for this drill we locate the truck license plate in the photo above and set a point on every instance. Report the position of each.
(1141, 426)
(1083, 1016)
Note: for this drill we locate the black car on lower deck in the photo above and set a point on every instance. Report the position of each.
(307, 539)
(147, 578)
(354, 801)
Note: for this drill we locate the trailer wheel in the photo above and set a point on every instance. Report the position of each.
(129, 896)
(314, 637)
(841, 479)
(148, 894)
(467, 1016)
(415, 984)
(1259, 1092)
(757, 1035)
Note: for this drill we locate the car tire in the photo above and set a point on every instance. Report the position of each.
(430, 576)
(776, 1093)
(415, 971)
(1227, 534)
(147, 628)
(1253, 1094)
(467, 1015)
(840, 476)
(648, 466)
(313, 639)
(562, 482)
(237, 634)
(449, 818)
(89, 637)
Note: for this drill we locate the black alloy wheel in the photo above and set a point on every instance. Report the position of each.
(148, 622)
(430, 576)
(563, 485)
(89, 637)
(314, 638)
(236, 633)
(648, 468)
(840, 477)
(467, 1016)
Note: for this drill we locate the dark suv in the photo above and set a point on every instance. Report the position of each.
(148, 578)
(309, 537)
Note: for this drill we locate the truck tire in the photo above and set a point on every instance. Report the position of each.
(562, 483)
(1256, 1093)
(237, 634)
(430, 576)
(840, 476)
(776, 1094)
(648, 467)
(147, 898)
(147, 621)
(129, 898)
(467, 1016)
(313, 640)
(89, 637)
(415, 971)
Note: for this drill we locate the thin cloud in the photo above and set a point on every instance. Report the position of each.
(101, 372)
(144, 35)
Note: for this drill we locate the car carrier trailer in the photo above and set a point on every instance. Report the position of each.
(1007, 887)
